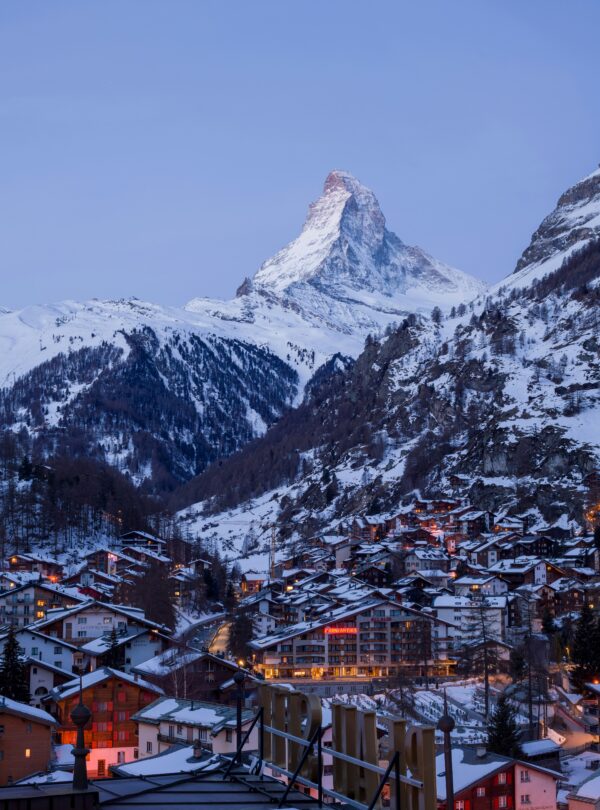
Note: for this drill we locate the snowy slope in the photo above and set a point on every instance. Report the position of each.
(345, 276)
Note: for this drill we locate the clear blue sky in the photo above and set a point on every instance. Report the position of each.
(163, 149)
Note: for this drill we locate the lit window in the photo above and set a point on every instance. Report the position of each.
(27, 753)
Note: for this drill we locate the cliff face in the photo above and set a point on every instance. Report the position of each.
(574, 222)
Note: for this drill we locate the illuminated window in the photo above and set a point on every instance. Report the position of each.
(39, 614)
(27, 753)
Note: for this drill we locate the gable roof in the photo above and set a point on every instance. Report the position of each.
(98, 676)
(135, 614)
(8, 706)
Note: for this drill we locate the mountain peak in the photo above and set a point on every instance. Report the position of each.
(573, 223)
(346, 252)
(338, 179)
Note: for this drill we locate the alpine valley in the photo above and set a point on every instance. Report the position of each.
(350, 371)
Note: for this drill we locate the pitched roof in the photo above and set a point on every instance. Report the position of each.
(97, 676)
(8, 706)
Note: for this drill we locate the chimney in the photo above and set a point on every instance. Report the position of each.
(197, 754)
(480, 751)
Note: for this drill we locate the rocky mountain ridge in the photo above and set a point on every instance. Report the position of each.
(161, 392)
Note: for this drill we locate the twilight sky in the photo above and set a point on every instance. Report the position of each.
(164, 148)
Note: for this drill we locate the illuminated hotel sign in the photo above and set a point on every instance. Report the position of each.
(340, 631)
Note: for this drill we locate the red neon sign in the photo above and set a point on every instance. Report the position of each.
(337, 631)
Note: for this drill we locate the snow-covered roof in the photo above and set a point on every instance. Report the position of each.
(100, 645)
(9, 706)
(467, 768)
(201, 714)
(538, 747)
(176, 759)
(590, 789)
(165, 662)
(448, 601)
(97, 676)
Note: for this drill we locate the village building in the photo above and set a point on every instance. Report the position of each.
(35, 564)
(143, 540)
(175, 721)
(468, 618)
(374, 639)
(33, 601)
(25, 740)
(113, 697)
(484, 780)
(193, 674)
(93, 620)
(43, 678)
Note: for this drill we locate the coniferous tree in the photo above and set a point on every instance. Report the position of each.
(503, 734)
(152, 593)
(584, 655)
(517, 664)
(13, 672)
(548, 625)
(240, 634)
(114, 654)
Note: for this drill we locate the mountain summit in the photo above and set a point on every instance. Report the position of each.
(163, 392)
(346, 252)
(571, 226)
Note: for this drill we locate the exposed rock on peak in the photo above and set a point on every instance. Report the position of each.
(573, 223)
(346, 251)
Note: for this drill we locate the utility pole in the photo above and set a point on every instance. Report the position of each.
(239, 679)
(446, 726)
(80, 717)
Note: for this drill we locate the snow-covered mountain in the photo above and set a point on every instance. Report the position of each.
(499, 401)
(346, 272)
(162, 392)
(573, 224)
